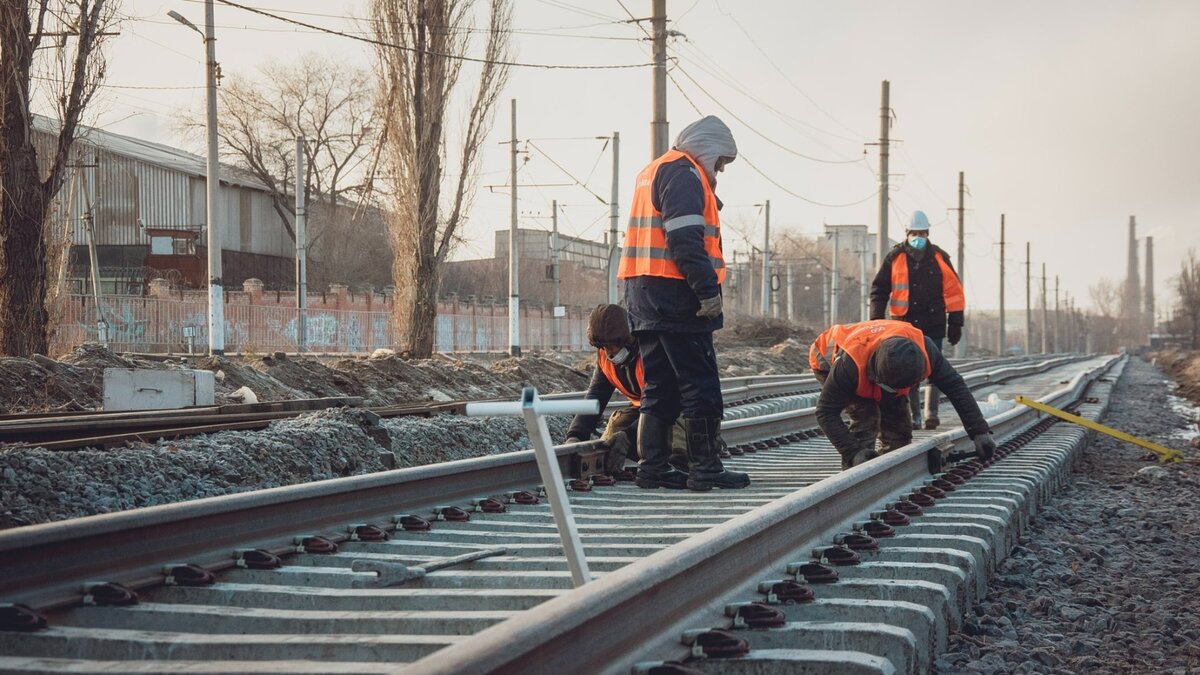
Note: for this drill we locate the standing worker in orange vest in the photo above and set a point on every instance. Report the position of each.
(917, 284)
(673, 268)
(867, 369)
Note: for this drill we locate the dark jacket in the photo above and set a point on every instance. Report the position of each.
(600, 389)
(926, 303)
(842, 382)
(662, 304)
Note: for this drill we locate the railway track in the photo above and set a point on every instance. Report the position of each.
(346, 596)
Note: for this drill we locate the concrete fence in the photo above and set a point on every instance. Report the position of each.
(338, 322)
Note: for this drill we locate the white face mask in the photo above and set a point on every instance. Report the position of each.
(620, 357)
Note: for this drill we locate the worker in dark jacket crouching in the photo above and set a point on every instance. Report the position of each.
(867, 369)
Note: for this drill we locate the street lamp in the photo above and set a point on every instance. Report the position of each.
(216, 295)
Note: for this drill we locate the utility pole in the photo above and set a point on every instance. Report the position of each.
(658, 124)
(301, 249)
(89, 190)
(885, 122)
(863, 292)
(554, 273)
(766, 263)
(1045, 318)
(962, 263)
(1028, 304)
(791, 294)
(836, 286)
(1003, 345)
(1057, 344)
(613, 216)
(514, 296)
(216, 292)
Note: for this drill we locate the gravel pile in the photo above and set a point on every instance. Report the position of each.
(38, 486)
(1108, 579)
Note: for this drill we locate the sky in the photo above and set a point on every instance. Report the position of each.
(1067, 116)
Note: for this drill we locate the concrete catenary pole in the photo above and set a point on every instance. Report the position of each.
(658, 124)
(962, 263)
(514, 295)
(216, 291)
(864, 292)
(885, 122)
(614, 257)
(1003, 345)
(555, 277)
(301, 249)
(835, 287)
(791, 294)
(1028, 303)
(1057, 344)
(1045, 318)
(766, 263)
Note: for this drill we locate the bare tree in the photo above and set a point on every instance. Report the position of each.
(48, 48)
(1187, 287)
(330, 104)
(423, 45)
(1107, 297)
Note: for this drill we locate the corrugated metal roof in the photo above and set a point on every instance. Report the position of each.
(146, 151)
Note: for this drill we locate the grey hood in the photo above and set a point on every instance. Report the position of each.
(707, 140)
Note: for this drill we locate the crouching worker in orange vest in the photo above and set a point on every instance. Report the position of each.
(867, 369)
(619, 368)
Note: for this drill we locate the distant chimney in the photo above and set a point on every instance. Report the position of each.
(1133, 288)
(1148, 308)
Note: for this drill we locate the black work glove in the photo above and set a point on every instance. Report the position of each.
(985, 446)
(954, 334)
(571, 439)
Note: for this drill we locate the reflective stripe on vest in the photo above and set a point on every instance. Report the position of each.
(952, 290)
(862, 339)
(610, 373)
(824, 349)
(645, 246)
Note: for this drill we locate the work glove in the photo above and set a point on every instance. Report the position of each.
(985, 446)
(954, 334)
(710, 307)
(618, 445)
(572, 439)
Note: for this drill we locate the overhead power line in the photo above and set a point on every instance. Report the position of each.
(457, 57)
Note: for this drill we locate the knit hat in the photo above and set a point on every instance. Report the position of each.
(898, 363)
(608, 325)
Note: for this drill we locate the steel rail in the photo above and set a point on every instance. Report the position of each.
(45, 565)
(644, 606)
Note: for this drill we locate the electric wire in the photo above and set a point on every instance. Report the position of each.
(456, 57)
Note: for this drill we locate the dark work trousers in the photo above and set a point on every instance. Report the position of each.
(888, 420)
(681, 375)
(931, 394)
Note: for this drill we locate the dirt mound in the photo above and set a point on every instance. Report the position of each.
(1184, 367)
(760, 332)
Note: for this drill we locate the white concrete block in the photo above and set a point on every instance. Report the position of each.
(146, 389)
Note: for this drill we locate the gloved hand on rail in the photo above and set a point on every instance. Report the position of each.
(954, 334)
(985, 446)
(572, 439)
(619, 446)
(710, 307)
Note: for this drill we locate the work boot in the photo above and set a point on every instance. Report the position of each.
(932, 422)
(654, 447)
(705, 469)
(854, 457)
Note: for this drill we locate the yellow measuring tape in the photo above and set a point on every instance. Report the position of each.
(1164, 454)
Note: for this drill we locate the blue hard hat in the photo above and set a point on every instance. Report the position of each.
(919, 221)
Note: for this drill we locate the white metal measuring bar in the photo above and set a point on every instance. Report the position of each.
(533, 410)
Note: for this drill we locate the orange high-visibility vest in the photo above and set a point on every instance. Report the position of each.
(645, 253)
(610, 372)
(952, 290)
(861, 341)
(824, 348)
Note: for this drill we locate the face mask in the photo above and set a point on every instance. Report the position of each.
(917, 242)
(620, 357)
